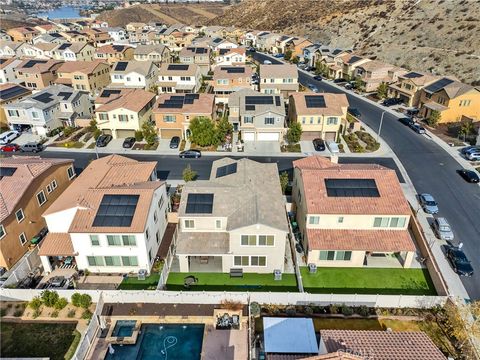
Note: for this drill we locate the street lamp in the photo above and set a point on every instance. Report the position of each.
(381, 123)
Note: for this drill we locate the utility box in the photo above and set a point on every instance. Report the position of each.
(277, 275)
(142, 274)
(312, 268)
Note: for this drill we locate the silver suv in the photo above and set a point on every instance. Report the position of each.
(442, 229)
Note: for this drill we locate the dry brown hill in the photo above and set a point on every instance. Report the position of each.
(442, 36)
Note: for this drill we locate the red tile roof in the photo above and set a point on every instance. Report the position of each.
(56, 244)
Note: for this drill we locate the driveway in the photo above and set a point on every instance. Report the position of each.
(262, 147)
(26, 138)
(164, 146)
(308, 149)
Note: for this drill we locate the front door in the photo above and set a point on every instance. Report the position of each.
(235, 127)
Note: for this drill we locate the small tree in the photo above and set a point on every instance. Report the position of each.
(138, 135)
(35, 303)
(189, 174)
(284, 181)
(463, 323)
(60, 304)
(223, 129)
(358, 83)
(81, 300)
(93, 125)
(295, 60)
(149, 133)
(288, 55)
(49, 298)
(434, 118)
(203, 131)
(466, 128)
(382, 91)
(294, 132)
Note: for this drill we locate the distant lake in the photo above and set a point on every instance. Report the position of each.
(65, 12)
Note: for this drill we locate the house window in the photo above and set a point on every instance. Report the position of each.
(129, 240)
(147, 234)
(94, 240)
(189, 224)
(95, 261)
(258, 260)
(54, 184)
(311, 119)
(248, 119)
(327, 255)
(241, 260)
(123, 118)
(381, 222)
(343, 255)
(129, 261)
(20, 215)
(112, 261)
(160, 202)
(34, 114)
(41, 198)
(218, 224)
(70, 172)
(340, 219)
(157, 236)
(314, 220)
(332, 121)
(397, 222)
(114, 240)
(155, 217)
(249, 240)
(3, 233)
(269, 121)
(13, 113)
(49, 188)
(22, 238)
(169, 118)
(266, 240)
(102, 116)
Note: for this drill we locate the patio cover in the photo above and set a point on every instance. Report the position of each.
(435, 106)
(56, 244)
(289, 335)
(202, 243)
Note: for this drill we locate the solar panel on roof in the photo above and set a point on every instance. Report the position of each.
(118, 47)
(188, 101)
(438, 85)
(64, 46)
(171, 105)
(259, 100)
(226, 170)
(234, 70)
(32, 63)
(199, 204)
(351, 188)
(177, 67)
(315, 101)
(121, 66)
(177, 97)
(412, 75)
(354, 59)
(192, 96)
(43, 98)
(116, 210)
(217, 40)
(7, 171)
(108, 93)
(65, 95)
(200, 51)
(12, 92)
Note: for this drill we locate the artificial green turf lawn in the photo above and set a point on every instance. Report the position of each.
(51, 340)
(132, 283)
(385, 281)
(223, 282)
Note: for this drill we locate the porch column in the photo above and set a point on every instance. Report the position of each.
(407, 263)
(183, 262)
(47, 267)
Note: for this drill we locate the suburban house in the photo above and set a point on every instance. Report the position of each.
(173, 113)
(12, 48)
(331, 61)
(278, 79)
(175, 40)
(282, 42)
(4, 36)
(91, 76)
(42, 50)
(121, 112)
(134, 74)
(196, 55)
(348, 63)
(53, 38)
(313, 53)
(37, 74)
(29, 186)
(234, 221)
(114, 53)
(158, 53)
(266, 41)
(216, 44)
(375, 72)
(23, 34)
(250, 37)
(351, 215)
(111, 219)
(74, 36)
(53, 107)
(321, 115)
(98, 36)
(229, 57)
(408, 87)
(296, 46)
(7, 69)
(142, 37)
(259, 117)
(179, 78)
(117, 34)
(10, 93)
(75, 51)
(228, 79)
(136, 26)
(47, 28)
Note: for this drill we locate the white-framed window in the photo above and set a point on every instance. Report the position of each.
(147, 234)
(314, 220)
(189, 224)
(332, 121)
(266, 240)
(250, 261)
(160, 202)
(129, 261)
(155, 217)
(394, 222)
(3, 233)
(169, 118)
(49, 188)
(248, 119)
(54, 184)
(335, 255)
(269, 121)
(112, 261)
(23, 239)
(340, 219)
(94, 240)
(95, 261)
(248, 240)
(114, 240)
(19, 215)
(218, 224)
(70, 173)
(41, 198)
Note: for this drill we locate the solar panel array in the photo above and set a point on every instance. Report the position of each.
(315, 101)
(233, 70)
(116, 210)
(64, 46)
(108, 93)
(177, 67)
(199, 204)
(64, 94)
(118, 47)
(12, 92)
(177, 101)
(412, 75)
(354, 59)
(226, 170)
(7, 171)
(351, 188)
(201, 50)
(438, 85)
(259, 100)
(43, 98)
(121, 65)
(32, 63)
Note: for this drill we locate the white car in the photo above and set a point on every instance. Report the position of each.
(8, 136)
(473, 156)
(333, 147)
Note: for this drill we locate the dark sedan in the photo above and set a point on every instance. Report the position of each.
(406, 121)
(103, 140)
(469, 175)
(174, 142)
(354, 112)
(460, 264)
(317, 77)
(128, 142)
(191, 154)
(318, 144)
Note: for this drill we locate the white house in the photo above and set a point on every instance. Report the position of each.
(117, 34)
(76, 51)
(7, 69)
(229, 57)
(134, 74)
(111, 219)
(218, 43)
(179, 78)
(11, 48)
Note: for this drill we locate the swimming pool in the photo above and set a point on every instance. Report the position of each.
(163, 342)
(123, 328)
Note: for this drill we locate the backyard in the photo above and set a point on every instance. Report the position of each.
(133, 283)
(385, 281)
(223, 282)
(56, 341)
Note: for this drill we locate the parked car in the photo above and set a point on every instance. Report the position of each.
(39, 237)
(406, 121)
(10, 148)
(459, 261)
(8, 136)
(317, 77)
(103, 140)
(348, 86)
(279, 56)
(391, 101)
(354, 112)
(442, 229)
(313, 88)
(252, 49)
(337, 81)
(192, 153)
(32, 147)
(174, 142)
(333, 147)
(428, 203)
(128, 142)
(469, 175)
(412, 112)
(468, 149)
(309, 68)
(319, 144)
(419, 129)
(267, 62)
(473, 156)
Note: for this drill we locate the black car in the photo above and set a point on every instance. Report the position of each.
(337, 81)
(174, 142)
(128, 142)
(391, 101)
(460, 264)
(354, 112)
(406, 121)
(317, 77)
(192, 153)
(319, 144)
(469, 175)
(103, 140)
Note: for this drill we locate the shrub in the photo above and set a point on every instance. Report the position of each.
(54, 314)
(149, 133)
(294, 132)
(232, 305)
(35, 303)
(308, 310)
(189, 174)
(3, 312)
(60, 303)
(49, 298)
(363, 310)
(434, 118)
(333, 308)
(290, 310)
(138, 135)
(347, 310)
(87, 314)
(18, 313)
(255, 309)
(71, 313)
(97, 133)
(85, 301)
(68, 131)
(36, 313)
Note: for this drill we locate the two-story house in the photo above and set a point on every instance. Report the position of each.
(29, 186)
(196, 55)
(10, 93)
(117, 34)
(173, 113)
(351, 215)
(228, 79)
(12, 48)
(278, 79)
(322, 116)
(114, 53)
(37, 74)
(53, 107)
(408, 87)
(157, 53)
(75, 51)
(23, 34)
(348, 63)
(111, 219)
(7, 69)
(296, 46)
(217, 44)
(134, 74)
(98, 36)
(91, 76)
(259, 117)
(121, 112)
(375, 72)
(229, 57)
(234, 220)
(179, 78)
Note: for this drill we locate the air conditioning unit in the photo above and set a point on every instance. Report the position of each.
(312, 268)
(277, 274)
(142, 274)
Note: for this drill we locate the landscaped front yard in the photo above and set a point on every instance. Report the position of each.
(223, 282)
(391, 281)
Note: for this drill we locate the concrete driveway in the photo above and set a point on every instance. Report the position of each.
(164, 146)
(26, 138)
(262, 147)
(307, 148)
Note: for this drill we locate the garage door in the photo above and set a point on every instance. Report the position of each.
(248, 136)
(310, 135)
(169, 133)
(122, 134)
(268, 136)
(330, 135)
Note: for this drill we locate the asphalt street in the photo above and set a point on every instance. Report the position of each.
(431, 169)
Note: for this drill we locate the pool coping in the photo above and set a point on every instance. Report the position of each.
(123, 340)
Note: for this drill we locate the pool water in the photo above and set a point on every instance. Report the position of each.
(123, 328)
(163, 342)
